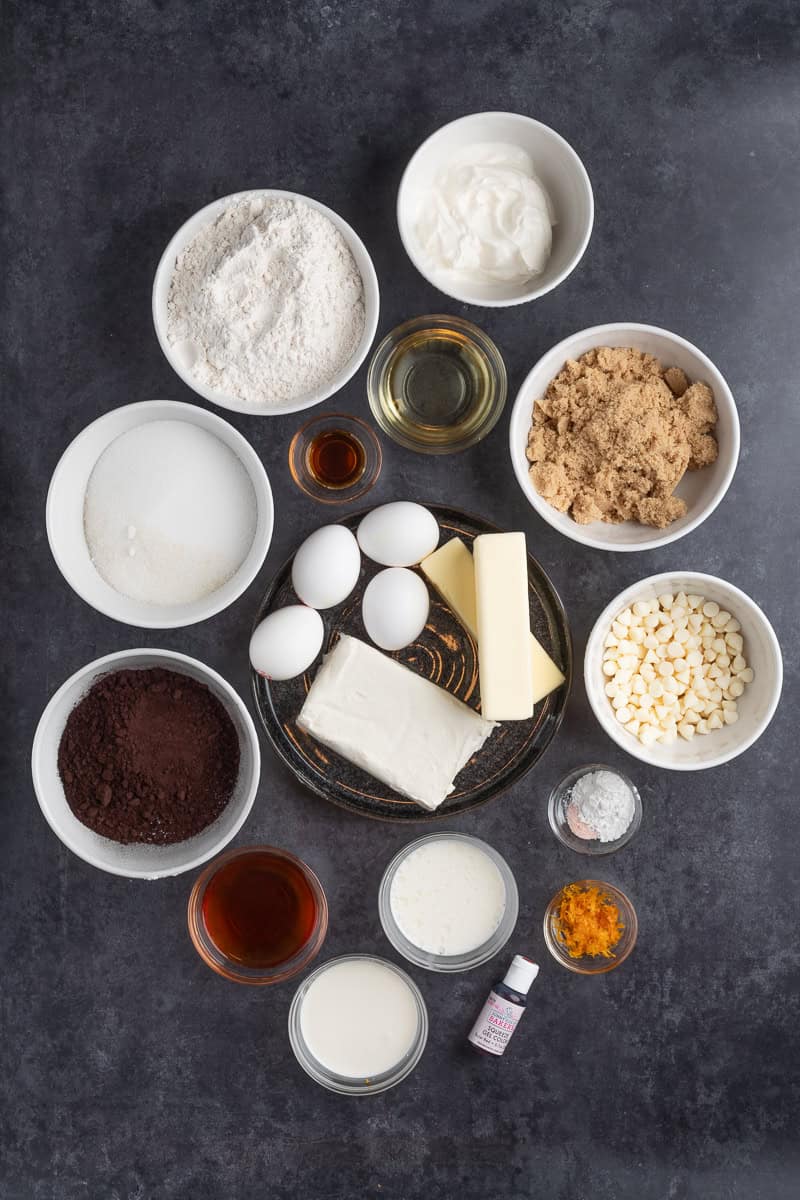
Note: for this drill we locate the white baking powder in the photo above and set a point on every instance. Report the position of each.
(170, 513)
(266, 303)
(601, 805)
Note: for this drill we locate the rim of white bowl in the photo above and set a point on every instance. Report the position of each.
(256, 472)
(696, 580)
(576, 532)
(109, 661)
(532, 293)
(166, 266)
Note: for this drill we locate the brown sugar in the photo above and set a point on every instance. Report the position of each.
(614, 434)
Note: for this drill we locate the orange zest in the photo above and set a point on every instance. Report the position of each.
(588, 922)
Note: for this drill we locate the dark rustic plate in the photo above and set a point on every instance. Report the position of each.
(444, 653)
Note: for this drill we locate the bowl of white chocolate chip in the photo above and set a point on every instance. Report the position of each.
(683, 671)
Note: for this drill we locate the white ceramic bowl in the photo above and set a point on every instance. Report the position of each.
(139, 861)
(559, 170)
(163, 279)
(756, 706)
(64, 516)
(702, 490)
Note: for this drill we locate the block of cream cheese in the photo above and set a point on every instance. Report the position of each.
(451, 571)
(504, 626)
(401, 728)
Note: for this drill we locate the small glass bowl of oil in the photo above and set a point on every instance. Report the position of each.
(437, 384)
(335, 458)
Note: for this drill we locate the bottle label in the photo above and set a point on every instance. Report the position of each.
(497, 1021)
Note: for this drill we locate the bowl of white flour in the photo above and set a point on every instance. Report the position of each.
(265, 302)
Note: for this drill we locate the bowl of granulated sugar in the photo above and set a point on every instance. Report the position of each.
(265, 302)
(159, 514)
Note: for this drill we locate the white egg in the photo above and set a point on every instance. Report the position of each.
(399, 534)
(325, 568)
(395, 608)
(286, 642)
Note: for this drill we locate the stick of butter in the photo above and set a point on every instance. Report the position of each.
(391, 722)
(451, 571)
(504, 626)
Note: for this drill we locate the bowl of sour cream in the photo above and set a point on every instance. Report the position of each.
(495, 209)
(448, 902)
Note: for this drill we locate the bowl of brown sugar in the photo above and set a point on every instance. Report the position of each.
(145, 763)
(624, 437)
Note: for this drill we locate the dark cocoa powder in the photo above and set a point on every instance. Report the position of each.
(148, 756)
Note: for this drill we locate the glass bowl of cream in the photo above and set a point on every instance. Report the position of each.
(358, 1025)
(495, 209)
(448, 902)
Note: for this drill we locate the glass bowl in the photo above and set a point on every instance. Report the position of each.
(450, 963)
(591, 964)
(231, 969)
(343, 1084)
(331, 437)
(460, 362)
(557, 813)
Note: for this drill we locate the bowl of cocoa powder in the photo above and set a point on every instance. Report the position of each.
(624, 437)
(145, 763)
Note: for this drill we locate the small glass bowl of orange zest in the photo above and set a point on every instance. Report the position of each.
(590, 927)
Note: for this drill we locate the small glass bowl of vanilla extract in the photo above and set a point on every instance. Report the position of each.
(437, 384)
(335, 458)
(257, 915)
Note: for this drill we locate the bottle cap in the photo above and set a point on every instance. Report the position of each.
(521, 974)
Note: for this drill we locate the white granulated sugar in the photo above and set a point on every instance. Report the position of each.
(266, 303)
(170, 513)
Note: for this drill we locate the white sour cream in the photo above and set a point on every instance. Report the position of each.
(487, 219)
(359, 1018)
(448, 897)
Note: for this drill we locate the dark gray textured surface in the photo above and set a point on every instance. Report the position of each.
(129, 1070)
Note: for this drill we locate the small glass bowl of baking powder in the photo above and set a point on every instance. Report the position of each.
(565, 817)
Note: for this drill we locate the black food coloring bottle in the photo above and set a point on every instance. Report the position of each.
(504, 1006)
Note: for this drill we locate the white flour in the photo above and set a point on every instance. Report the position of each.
(266, 303)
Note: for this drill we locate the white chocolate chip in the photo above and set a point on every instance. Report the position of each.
(674, 666)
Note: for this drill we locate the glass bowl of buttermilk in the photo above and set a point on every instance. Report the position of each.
(448, 902)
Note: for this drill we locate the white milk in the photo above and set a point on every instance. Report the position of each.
(448, 897)
(359, 1018)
